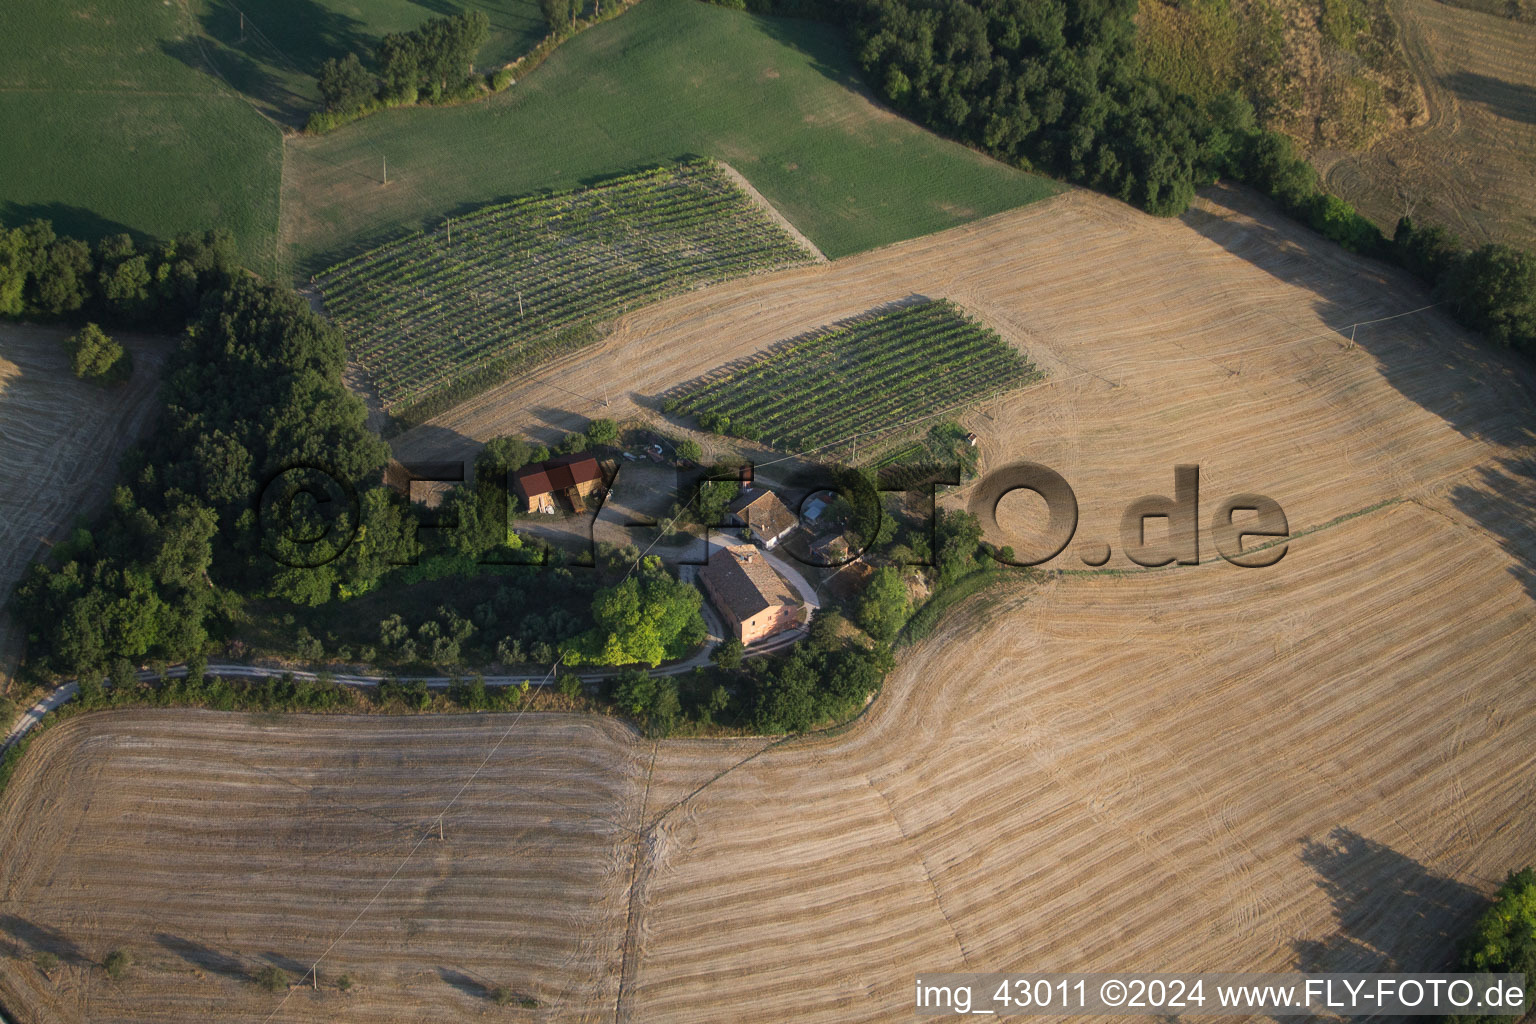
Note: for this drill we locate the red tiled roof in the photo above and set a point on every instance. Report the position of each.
(556, 474)
(741, 578)
(765, 512)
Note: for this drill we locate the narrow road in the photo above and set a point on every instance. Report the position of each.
(30, 717)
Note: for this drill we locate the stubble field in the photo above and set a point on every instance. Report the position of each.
(1468, 166)
(1321, 765)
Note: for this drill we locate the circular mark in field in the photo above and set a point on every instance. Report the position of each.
(1094, 553)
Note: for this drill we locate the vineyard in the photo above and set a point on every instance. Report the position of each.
(871, 379)
(438, 315)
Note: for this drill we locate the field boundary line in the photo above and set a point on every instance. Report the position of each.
(314, 970)
(774, 212)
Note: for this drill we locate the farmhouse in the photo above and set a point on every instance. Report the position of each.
(753, 598)
(764, 515)
(573, 477)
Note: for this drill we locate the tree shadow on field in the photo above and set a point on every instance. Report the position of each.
(825, 44)
(1504, 503)
(1393, 913)
(286, 963)
(464, 983)
(42, 939)
(270, 50)
(1475, 387)
(1510, 100)
(75, 221)
(203, 957)
(1415, 353)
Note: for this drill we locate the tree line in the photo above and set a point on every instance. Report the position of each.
(1057, 86)
(118, 280)
(253, 387)
(433, 62)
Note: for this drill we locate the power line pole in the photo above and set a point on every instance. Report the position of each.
(386, 170)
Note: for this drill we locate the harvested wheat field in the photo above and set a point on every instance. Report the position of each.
(60, 439)
(210, 846)
(1469, 166)
(1324, 764)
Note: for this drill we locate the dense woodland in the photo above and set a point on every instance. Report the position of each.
(434, 62)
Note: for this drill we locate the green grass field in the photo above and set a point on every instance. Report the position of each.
(108, 128)
(439, 314)
(147, 117)
(778, 99)
(284, 42)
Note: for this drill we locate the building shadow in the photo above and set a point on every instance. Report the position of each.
(1392, 913)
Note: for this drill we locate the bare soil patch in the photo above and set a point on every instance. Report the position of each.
(1469, 166)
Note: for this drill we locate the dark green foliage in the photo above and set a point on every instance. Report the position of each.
(118, 283)
(1493, 289)
(345, 84)
(94, 356)
(254, 387)
(884, 606)
(1426, 252)
(560, 13)
(645, 619)
(822, 678)
(435, 59)
(271, 978)
(1504, 939)
(116, 964)
(1049, 84)
(503, 455)
(728, 654)
(957, 545)
(708, 502)
(651, 700)
(570, 444)
(603, 432)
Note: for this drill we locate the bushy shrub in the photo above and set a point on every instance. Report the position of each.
(94, 356)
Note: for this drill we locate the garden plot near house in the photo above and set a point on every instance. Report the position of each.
(439, 315)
